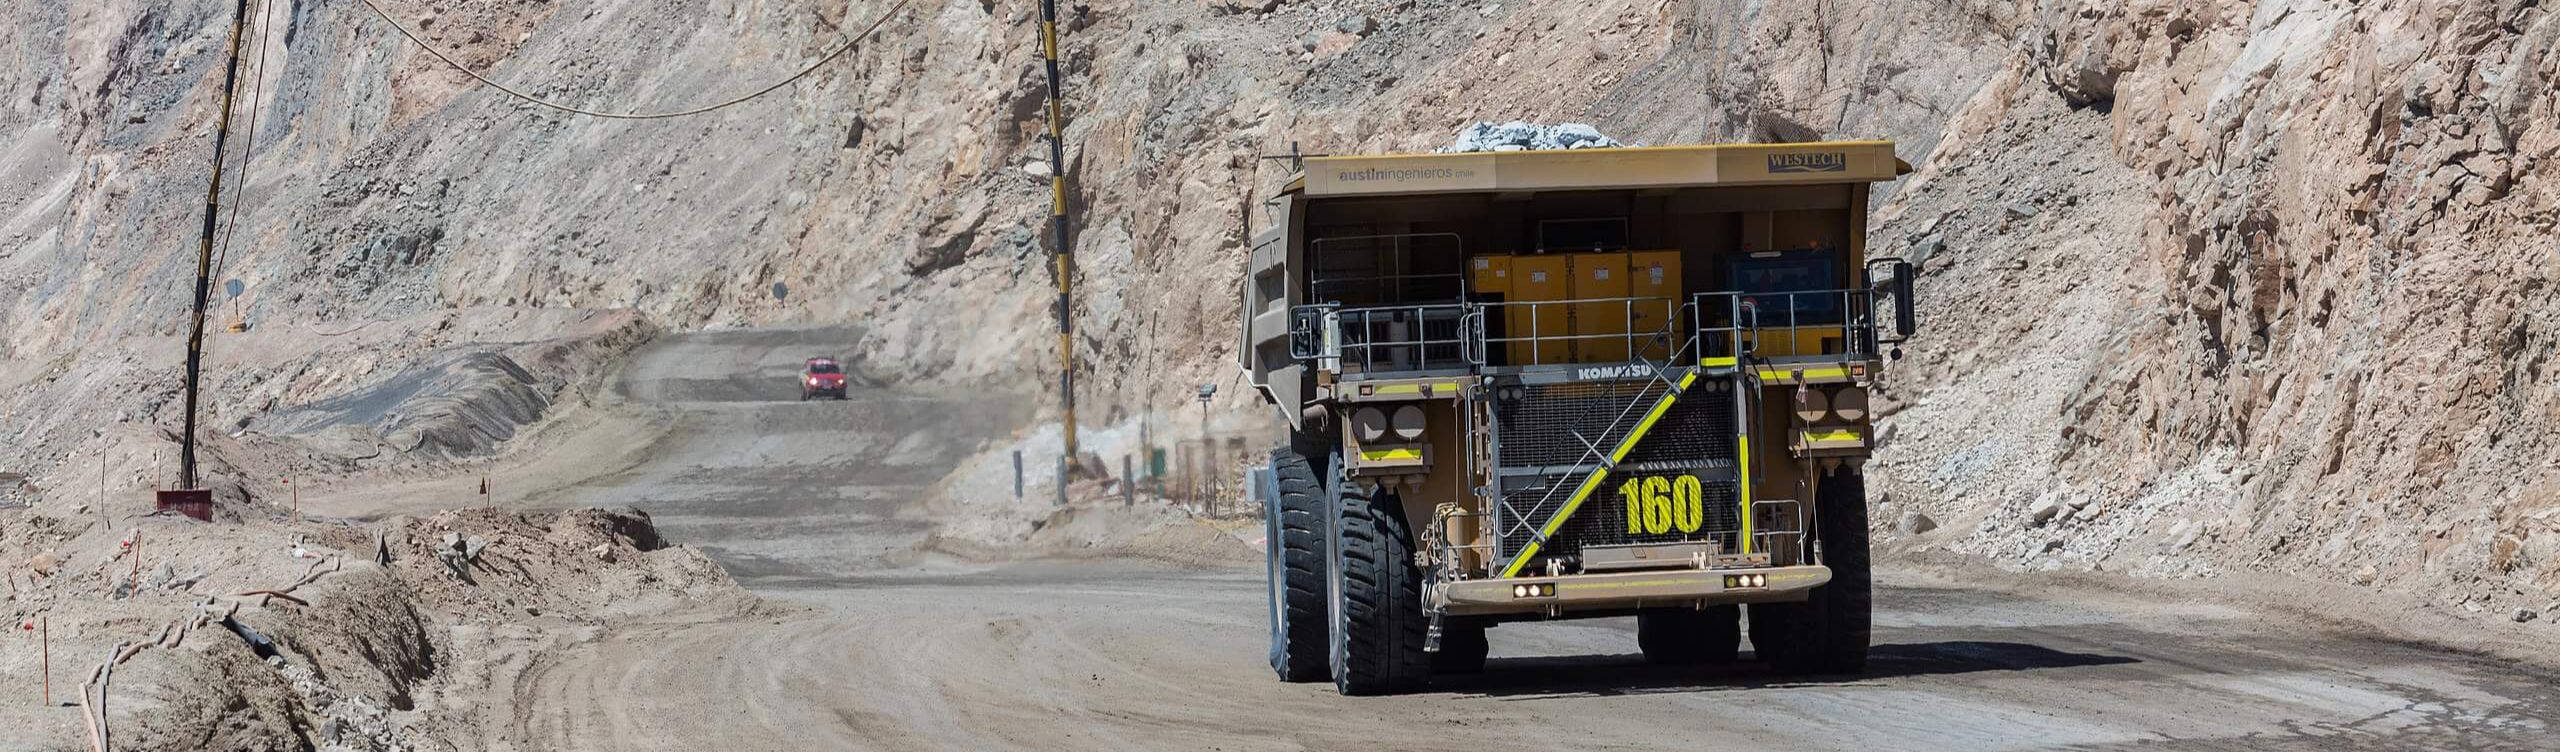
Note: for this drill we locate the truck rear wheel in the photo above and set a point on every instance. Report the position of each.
(1689, 636)
(1293, 528)
(1828, 633)
(1376, 594)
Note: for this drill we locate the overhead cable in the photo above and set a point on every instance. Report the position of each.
(804, 72)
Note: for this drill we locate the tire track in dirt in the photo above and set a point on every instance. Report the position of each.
(875, 647)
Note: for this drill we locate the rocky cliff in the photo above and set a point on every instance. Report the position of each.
(2236, 284)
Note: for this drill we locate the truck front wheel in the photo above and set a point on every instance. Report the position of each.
(1376, 593)
(1293, 528)
(1828, 633)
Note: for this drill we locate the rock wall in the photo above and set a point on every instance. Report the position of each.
(2313, 332)
(2264, 284)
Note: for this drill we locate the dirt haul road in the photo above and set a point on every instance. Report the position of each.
(876, 647)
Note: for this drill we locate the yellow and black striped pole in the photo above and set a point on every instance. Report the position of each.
(1064, 255)
(204, 250)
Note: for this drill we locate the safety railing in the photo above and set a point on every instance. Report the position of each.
(1719, 325)
(1788, 324)
(1386, 339)
(1778, 527)
(1585, 330)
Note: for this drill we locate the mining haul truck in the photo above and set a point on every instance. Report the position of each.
(1563, 384)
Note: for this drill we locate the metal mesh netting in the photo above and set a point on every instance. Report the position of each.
(1602, 519)
(1695, 437)
(1549, 423)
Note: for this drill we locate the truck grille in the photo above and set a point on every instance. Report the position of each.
(1602, 520)
(1545, 431)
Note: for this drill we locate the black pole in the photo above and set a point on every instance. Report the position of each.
(204, 251)
(1063, 254)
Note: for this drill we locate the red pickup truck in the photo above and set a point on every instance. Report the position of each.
(822, 377)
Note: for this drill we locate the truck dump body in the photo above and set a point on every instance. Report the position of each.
(1593, 380)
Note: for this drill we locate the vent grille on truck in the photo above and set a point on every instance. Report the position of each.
(1602, 521)
(1694, 437)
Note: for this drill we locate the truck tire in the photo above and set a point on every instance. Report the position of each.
(1689, 636)
(1462, 651)
(1376, 594)
(1294, 535)
(1828, 633)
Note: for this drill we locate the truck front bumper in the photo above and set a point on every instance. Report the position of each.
(1618, 591)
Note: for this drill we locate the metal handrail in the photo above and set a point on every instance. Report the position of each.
(1325, 331)
(1628, 333)
(1767, 535)
(1750, 313)
(1334, 331)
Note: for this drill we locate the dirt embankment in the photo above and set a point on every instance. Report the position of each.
(377, 637)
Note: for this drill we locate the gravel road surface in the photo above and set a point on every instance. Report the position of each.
(877, 647)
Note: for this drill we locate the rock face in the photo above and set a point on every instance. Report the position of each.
(2283, 269)
(2291, 275)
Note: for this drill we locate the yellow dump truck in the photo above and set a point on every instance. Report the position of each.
(1561, 384)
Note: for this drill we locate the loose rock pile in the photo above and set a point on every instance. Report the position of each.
(1525, 136)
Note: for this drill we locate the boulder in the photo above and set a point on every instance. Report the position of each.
(2045, 509)
(1225, 7)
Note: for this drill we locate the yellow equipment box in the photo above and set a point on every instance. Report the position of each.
(1547, 280)
(1491, 276)
(1655, 277)
(1600, 277)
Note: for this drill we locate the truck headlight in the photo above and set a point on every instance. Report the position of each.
(1408, 422)
(1850, 404)
(1811, 404)
(1369, 423)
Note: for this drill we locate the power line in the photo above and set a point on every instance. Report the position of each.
(249, 147)
(804, 72)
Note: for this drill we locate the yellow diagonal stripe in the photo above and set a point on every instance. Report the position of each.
(1593, 483)
(1742, 450)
